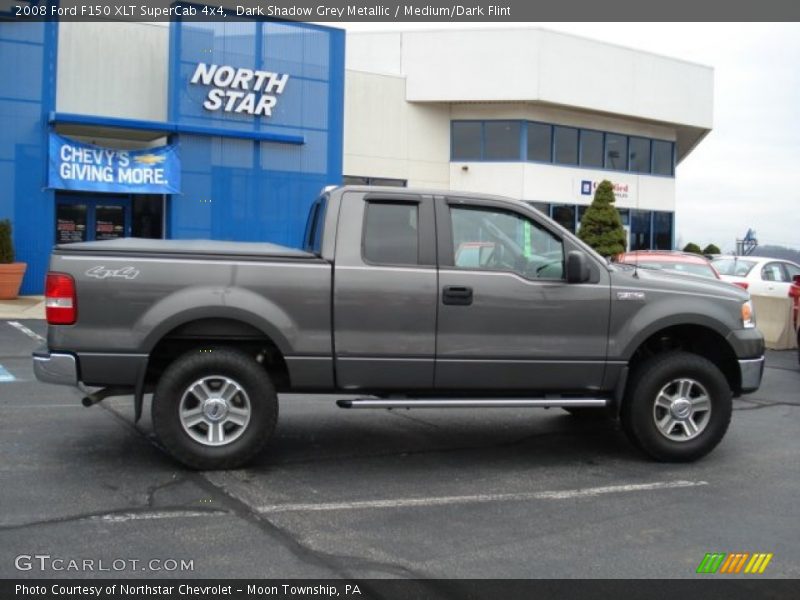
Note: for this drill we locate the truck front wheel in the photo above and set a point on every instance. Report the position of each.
(677, 407)
(214, 408)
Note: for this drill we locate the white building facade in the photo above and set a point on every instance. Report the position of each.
(527, 113)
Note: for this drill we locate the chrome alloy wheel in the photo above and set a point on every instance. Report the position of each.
(682, 409)
(214, 410)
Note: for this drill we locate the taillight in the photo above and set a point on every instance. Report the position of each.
(742, 284)
(794, 294)
(61, 306)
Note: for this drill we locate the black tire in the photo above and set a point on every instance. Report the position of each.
(639, 412)
(255, 391)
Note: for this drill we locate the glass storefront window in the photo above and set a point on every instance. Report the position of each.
(148, 216)
(71, 223)
(507, 140)
(616, 152)
(564, 215)
(640, 230)
(466, 140)
(566, 145)
(662, 158)
(542, 207)
(501, 140)
(662, 230)
(539, 142)
(639, 155)
(591, 148)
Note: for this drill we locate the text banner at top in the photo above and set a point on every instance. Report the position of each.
(408, 11)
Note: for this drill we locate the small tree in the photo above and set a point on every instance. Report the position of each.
(601, 226)
(6, 246)
(693, 248)
(712, 249)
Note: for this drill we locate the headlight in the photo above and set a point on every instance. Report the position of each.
(748, 315)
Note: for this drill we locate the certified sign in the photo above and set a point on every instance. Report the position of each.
(239, 90)
(622, 191)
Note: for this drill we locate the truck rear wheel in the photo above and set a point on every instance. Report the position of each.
(677, 407)
(214, 408)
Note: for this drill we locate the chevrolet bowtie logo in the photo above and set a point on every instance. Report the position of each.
(734, 563)
(149, 159)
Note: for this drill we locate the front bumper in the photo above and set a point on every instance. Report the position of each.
(752, 369)
(55, 367)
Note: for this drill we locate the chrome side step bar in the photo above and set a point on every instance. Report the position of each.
(472, 402)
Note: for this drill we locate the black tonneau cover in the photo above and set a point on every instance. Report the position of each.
(206, 247)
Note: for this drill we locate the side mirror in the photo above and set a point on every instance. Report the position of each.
(796, 279)
(577, 267)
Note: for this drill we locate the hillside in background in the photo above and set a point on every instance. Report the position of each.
(778, 252)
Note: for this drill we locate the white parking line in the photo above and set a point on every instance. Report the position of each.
(150, 516)
(29, 332)
(481, 498)
(5, 376)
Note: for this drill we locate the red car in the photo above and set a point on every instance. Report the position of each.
(670, 260)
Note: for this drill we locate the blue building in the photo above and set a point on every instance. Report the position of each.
(187, 130)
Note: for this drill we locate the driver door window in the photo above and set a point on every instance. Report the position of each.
(497, 240)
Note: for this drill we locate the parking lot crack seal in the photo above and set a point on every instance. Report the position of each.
(759, 404)
(343, 566)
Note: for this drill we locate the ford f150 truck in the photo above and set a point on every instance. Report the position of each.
(401, 298)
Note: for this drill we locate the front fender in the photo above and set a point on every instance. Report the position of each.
(632, 323)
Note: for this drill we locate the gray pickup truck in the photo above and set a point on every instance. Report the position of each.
(400, 298)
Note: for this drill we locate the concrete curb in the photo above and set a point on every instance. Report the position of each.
(24, 307)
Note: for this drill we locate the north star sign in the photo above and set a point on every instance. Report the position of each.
(242, 91)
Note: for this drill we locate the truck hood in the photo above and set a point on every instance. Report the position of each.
(624, 276)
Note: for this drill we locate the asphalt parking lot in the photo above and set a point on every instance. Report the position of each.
(430, 494)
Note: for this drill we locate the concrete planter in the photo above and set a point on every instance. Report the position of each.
(11, 279)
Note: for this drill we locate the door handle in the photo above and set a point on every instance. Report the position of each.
(457, 295)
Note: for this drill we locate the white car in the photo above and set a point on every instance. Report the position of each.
(758, 275)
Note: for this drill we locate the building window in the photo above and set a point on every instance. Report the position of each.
(511, 141)
(616, 152)
(564, 215)
(542, 207)
(663, 158)
(566, 145)
(639, 155)
(390, 233)
(466, 140)
(581, 211)
(640, 230)
(540, 138)
(591, 148)
(501, 140)
(662, 231)
(384, 181)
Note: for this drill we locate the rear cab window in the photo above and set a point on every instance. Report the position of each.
(315, 226)
(391, 233)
